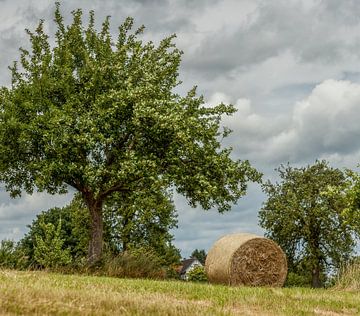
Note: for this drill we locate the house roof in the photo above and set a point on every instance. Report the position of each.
(187, 263)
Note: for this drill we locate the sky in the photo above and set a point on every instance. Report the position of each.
(291, 68)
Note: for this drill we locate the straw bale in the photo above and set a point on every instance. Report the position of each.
(246, 259)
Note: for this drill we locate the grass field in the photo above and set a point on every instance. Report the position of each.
(41, 293)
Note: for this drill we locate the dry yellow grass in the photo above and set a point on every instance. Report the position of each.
(41, 293)
(349, 278)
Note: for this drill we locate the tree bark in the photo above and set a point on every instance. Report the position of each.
(315, 282)
(96, 231)
(126, 234)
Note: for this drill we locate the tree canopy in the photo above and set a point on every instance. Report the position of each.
(142, 219)
(305, 214)
(200, 255)
(100, 114)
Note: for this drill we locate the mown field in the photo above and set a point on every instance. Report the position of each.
(41, 293)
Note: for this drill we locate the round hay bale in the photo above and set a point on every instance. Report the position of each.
(246, 259)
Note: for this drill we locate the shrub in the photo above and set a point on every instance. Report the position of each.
(48, 251)
(135, 263)
(171, 272)
(197, 274)
(297, 280)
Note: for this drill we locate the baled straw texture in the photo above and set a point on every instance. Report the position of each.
(246, 259)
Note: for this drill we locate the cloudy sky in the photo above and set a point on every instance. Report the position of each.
(291, 67)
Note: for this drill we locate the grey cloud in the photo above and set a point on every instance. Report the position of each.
(16, 214)
(274, 28)
(346, 13)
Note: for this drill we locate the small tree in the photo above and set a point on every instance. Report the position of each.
(352, 199)
(200, 255)
(304, 214)
(75, 223)
(49, 251)
(100, 115)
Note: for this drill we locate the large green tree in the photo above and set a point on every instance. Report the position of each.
(100, 114)
(305, 214)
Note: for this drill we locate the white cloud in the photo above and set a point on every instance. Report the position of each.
(323, 124)
(327, 121)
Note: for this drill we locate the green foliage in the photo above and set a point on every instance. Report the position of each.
(75, 225)
(138, 222)
(197, 274)
(100, 114)
(11, 256)
(49, 251)
(135, 263)
(142, 219)
(200, 255)
(305, 214)
(352, 198)
(297, 280)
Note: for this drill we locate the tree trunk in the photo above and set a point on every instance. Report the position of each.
(96, 233)
(126, 234)
(315, 282)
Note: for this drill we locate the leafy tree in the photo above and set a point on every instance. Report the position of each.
(351, 196)
(200, 255)
(49, 251)
(74, 232)
(100, 115)
(304, 214)
(142, 219)
(11, 256)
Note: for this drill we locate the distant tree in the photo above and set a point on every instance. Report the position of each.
(11, 256)
(304, 214)
(200, 255)
(101, 115)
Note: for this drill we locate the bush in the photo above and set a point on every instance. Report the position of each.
(197, 274)
(48, 251)
(135, 263)
(171, 272)
(297, 280)
(11, 256)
